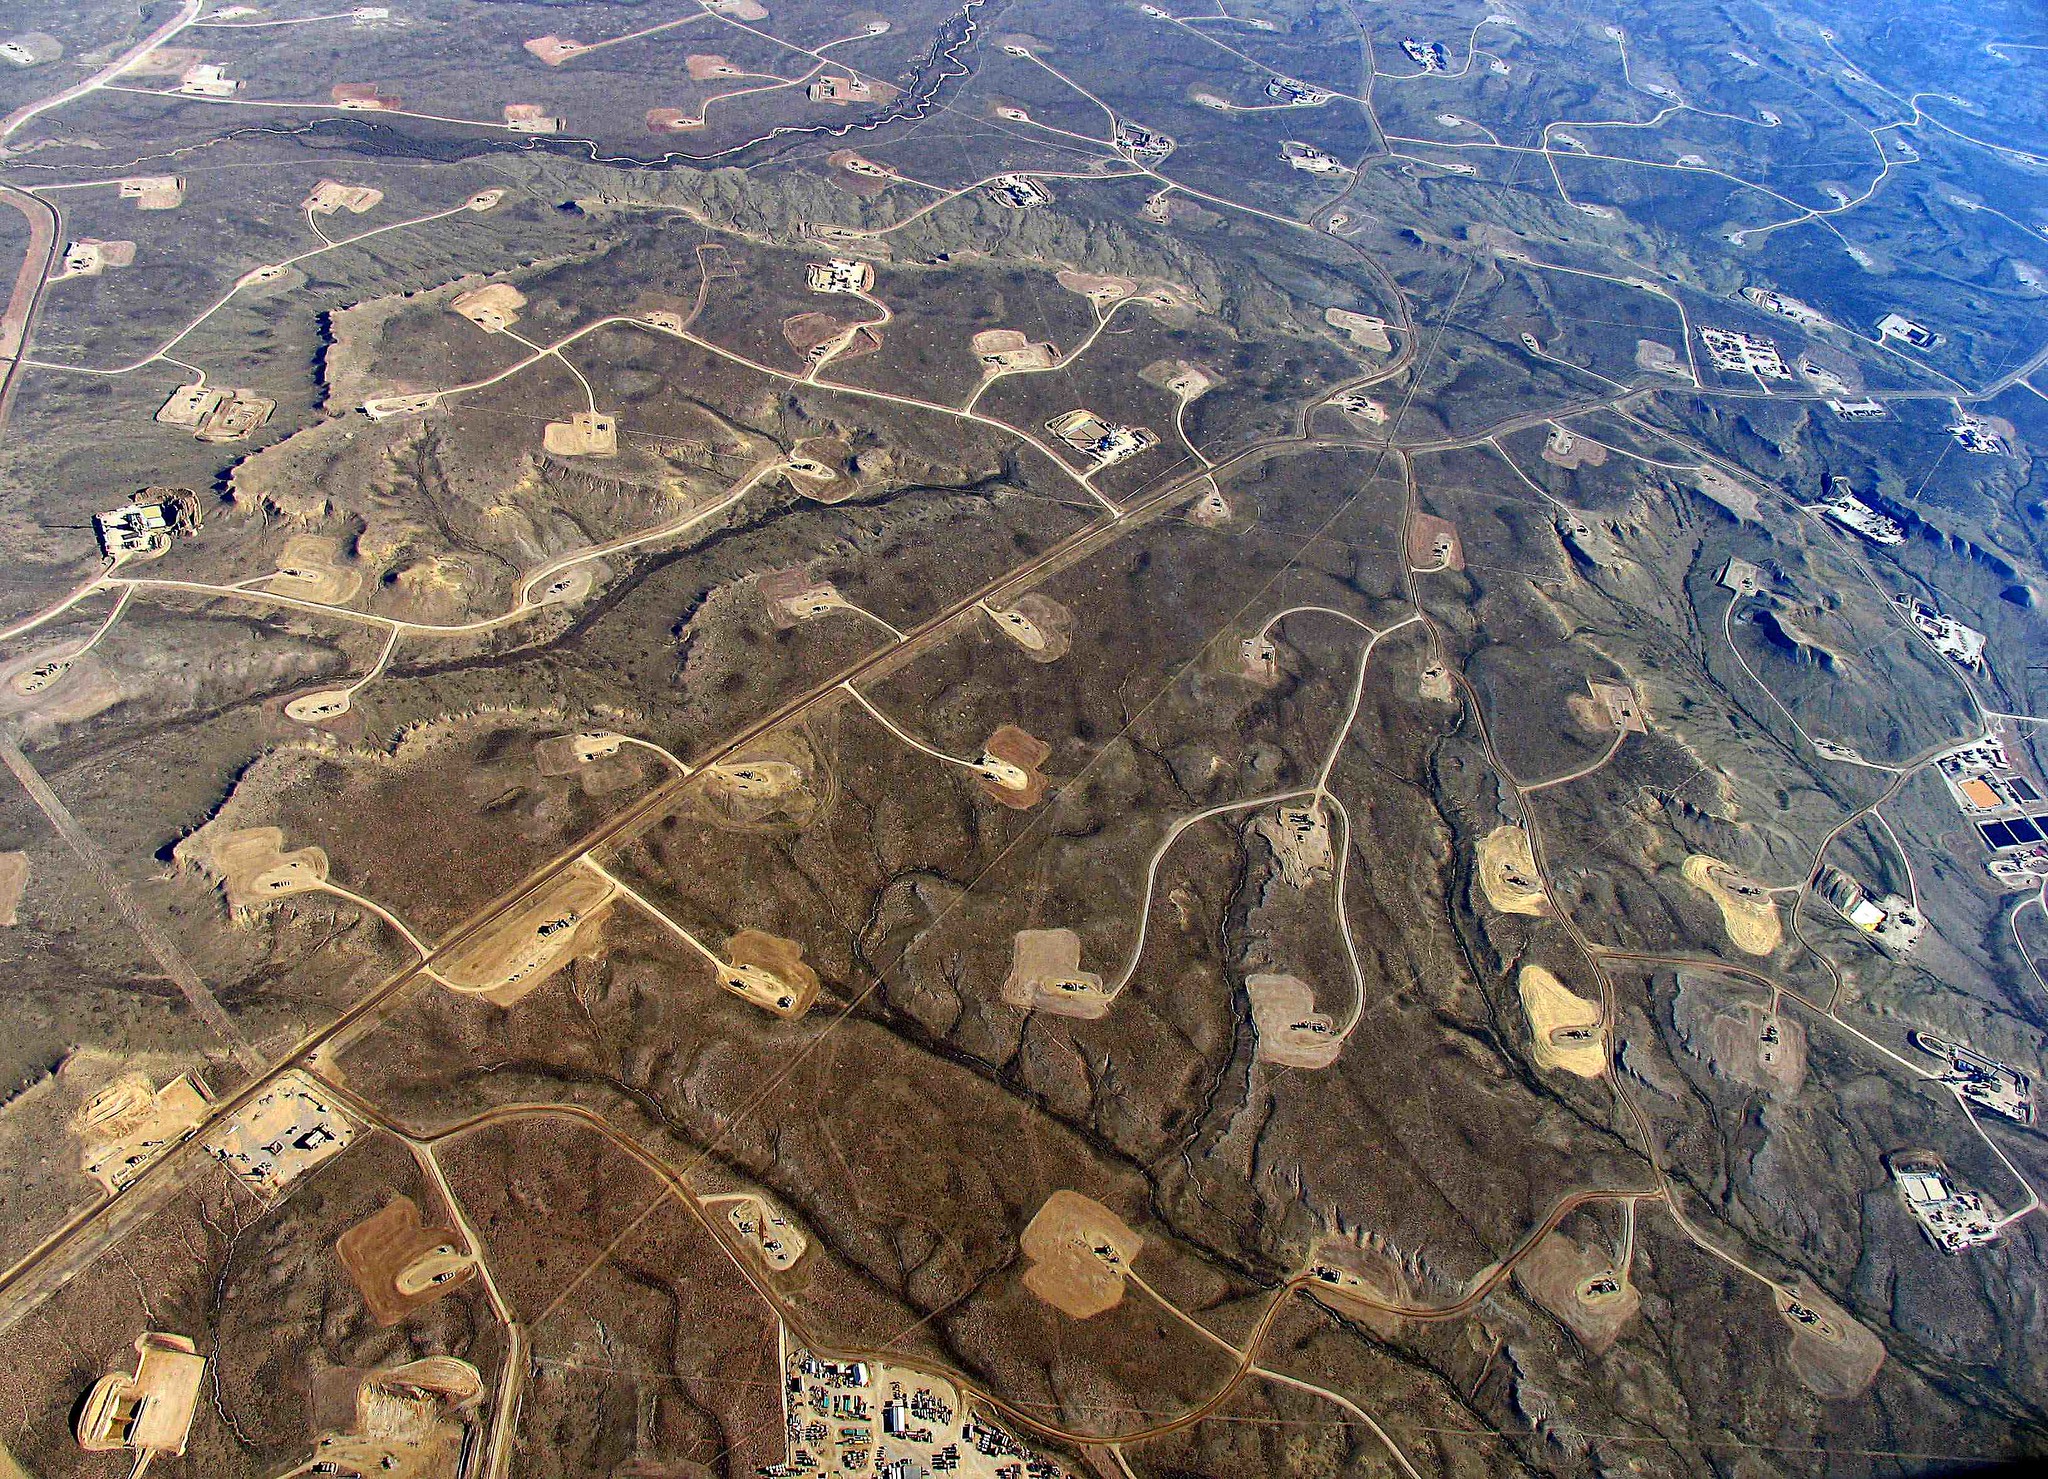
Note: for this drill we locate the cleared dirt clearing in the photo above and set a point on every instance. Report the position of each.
(1748, 912)
(1566, 1027)
(1080, 1252)
(1507, 872)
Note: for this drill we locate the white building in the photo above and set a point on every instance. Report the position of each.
(1018, 192)
(1103, 440)
(284, 1133)
(1296, 93)
(840, 275)
(207, 80)
(1960, 644)
(1772, 301)
(1996, 1086)
(1953, 1220)
(1309, 158)
(83, 259)
(1428, 55)
(1738, 353)
(1899, 327)
(1854, 514)
(1974, 434)
(134, 529)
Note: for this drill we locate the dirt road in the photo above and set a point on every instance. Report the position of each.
(28, 286)
(154, 939)
(42, 217)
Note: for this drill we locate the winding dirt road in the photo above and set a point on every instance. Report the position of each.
(27, 295)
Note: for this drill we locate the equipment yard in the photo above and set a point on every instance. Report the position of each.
(1022, 741)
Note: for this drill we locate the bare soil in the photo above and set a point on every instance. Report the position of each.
(1079, 1252)
(1578, 1286)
